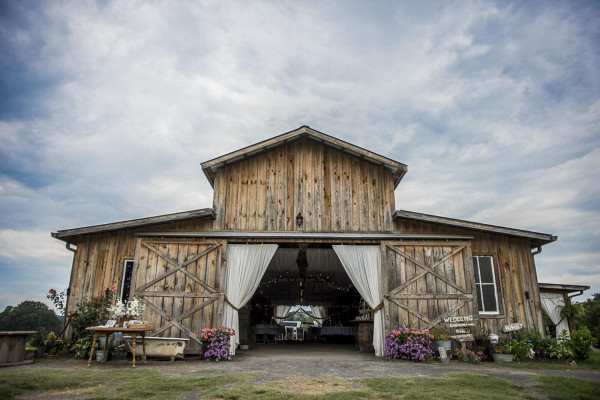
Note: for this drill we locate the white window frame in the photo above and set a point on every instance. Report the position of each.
(479, 285)
(128, 260)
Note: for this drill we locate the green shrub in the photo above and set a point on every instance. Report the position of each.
(540, 344)
(581, 342)
(91, 312)
(522, 349)
(561, 349)
(82, 347)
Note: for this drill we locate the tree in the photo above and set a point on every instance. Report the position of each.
(591, 317)
(30, 316)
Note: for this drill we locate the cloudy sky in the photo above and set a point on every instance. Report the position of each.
(108, 108)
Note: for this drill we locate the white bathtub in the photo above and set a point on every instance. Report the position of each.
(159, 347)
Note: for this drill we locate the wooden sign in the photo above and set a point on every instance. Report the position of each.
(512, 328)
(442, 351)
(463, 338)
(459, 321)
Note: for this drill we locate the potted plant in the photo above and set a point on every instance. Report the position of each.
(30, 352)
(119, 353)
(503, 351)
(217, 342)
(40, 345)
(441, 338)
(482, 338)
(467, 355)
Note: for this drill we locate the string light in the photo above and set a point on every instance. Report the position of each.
(325, 279)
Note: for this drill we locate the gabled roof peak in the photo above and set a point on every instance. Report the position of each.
(304, 132)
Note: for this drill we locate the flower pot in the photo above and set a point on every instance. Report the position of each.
(244, 347)
(465, 359)
(100, 356)
(446, 344)
(503, 357)
(118, 356)
(39, 352)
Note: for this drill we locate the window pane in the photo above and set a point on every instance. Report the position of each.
(489, 298)
(485, 268)
(476, 269)
(127, 280)
(479, 298)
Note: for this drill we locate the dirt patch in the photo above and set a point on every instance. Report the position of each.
(306, 385)
(64, 395)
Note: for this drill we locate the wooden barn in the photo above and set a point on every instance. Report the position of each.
(308, 219)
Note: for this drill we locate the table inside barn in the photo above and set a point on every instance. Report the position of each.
(107, 331)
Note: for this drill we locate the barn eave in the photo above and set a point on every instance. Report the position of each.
(211, 167)
(537, 239)
(68, 235)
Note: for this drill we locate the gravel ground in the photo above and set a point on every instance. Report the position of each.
(277, 362)
(316, 360)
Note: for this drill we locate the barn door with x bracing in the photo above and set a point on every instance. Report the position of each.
(427, 282)
(181, 283)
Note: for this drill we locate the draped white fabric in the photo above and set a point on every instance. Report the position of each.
(319, 312)
(246, 265)
(553, 303)
(281, 311)
(363, 266)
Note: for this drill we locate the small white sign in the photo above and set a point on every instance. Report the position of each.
(442, 351)
(512, 328)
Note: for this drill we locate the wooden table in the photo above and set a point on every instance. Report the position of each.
(102, 330)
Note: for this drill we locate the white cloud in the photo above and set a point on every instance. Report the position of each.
(494, 107)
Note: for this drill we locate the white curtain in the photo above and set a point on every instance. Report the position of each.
(553, 303)
(281, 311)
(319, 312)
(246, 265)
(363, 266)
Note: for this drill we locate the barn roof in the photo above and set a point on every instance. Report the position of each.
(538, 239)
(562, 288)
(67, 234)
(212, 166)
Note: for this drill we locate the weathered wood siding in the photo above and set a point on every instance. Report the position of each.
(515, 271)
(99, 259)
(181, 283)
(424, 282)
(334, 191)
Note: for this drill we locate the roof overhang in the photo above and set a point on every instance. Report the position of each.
(211, 167)
(68, 234)
(560, 288)
(538, 239)
(335, 236)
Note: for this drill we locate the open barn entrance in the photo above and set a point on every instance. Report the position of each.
(305, 297)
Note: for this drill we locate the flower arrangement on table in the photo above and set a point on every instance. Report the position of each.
(472, 356)
(218, 341)
(128, 309)
(409, 344)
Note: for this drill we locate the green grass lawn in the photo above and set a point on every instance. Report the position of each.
(127, 383)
